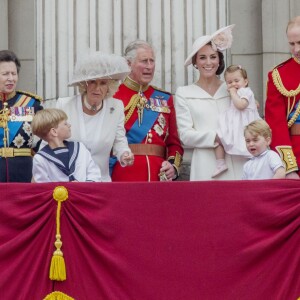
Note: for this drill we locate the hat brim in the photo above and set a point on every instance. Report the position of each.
(198, 44)
(202, 41)
(116, 76)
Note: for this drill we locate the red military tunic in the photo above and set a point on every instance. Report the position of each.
(159, 143)
(283, 95)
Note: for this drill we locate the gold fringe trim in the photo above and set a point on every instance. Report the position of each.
(58, 296)
(288, 158)
(4, 118)
(280, 87)
(133, 85)
(57, 266)
(295, 115)
(135, 99)
(292, 93)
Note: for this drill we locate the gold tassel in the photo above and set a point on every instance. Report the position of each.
(58, 296)
(131, 106)
(57, 266)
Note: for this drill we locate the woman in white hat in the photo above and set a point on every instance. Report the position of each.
(198, 107)
(96, 118)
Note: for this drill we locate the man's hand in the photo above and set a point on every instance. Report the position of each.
(168, 170)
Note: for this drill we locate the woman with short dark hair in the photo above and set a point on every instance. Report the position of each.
(16, 112)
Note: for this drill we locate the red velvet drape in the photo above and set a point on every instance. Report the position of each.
(153, 241)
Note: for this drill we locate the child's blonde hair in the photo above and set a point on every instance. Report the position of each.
(234, 68)
(259, 127)
(46, 119)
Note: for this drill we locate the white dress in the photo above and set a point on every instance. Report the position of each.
(197, 115)
(233, 121)
(100, 133)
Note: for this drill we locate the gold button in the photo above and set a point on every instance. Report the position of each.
(149, 140)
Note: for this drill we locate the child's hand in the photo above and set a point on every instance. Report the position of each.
(232, 90)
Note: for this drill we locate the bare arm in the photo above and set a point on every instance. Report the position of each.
(292, 175)
(279, 173)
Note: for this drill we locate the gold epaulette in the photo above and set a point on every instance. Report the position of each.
(280, 87)
(31, 95)
(161, 90)
(290, 94)
(287, 156)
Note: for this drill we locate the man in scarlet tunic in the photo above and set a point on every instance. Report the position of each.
(150, 121)
(282, 110)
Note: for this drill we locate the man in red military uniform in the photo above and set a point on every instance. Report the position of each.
(282, 110)
(150, 121)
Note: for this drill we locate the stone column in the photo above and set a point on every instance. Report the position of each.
(246, 49)
(276, 15)
(3, 25)
(22, 40)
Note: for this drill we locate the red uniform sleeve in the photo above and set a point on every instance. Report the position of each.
(275, 115)
(172, 142)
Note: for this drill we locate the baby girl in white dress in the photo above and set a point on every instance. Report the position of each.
(242, 111)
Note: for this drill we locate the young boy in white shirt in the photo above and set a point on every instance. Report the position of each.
(265, 163)
(60, 160)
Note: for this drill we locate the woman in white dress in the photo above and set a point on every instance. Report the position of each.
(199, 105)
(96, 118)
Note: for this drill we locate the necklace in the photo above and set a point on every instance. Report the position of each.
(94, 107)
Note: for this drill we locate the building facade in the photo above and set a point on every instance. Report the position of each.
(48, 36)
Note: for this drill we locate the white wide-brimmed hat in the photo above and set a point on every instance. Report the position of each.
(99, 65)
(220, 40)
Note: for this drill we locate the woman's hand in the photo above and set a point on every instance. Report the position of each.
(127, 159)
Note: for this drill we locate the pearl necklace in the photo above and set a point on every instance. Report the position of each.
(94, 107)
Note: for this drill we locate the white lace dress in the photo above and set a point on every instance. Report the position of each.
(233, 121)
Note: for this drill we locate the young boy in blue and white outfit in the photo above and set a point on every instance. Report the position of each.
(60, 160)
(265, 163)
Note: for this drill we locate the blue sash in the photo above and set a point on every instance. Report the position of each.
(292, 113)
(137, 133)
(14, 127)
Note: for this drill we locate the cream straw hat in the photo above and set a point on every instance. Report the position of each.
(98, 65)
(221, 40)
